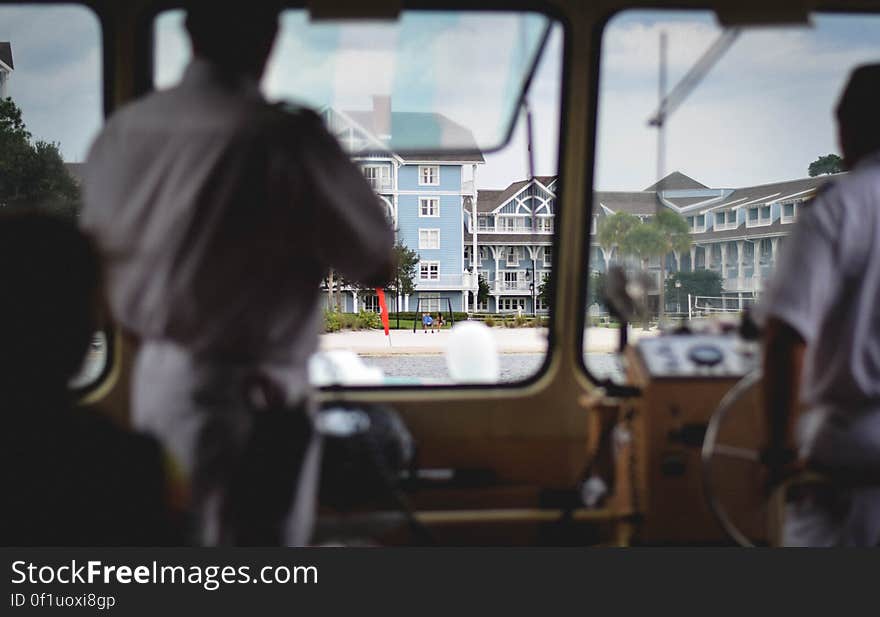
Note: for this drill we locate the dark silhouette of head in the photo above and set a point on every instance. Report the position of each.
(51, 281)
(237, 37)
(858, 119)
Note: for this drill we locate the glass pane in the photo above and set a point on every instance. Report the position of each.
(447, 80)
(429, 78)
(718, 163)
(50, 74)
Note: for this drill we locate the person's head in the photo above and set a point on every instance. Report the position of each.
(50, 275)
(236, 36)
(858, 118)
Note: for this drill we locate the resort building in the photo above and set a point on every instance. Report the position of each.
(505, 236)
(423, 193)
(736, 232)
(6, 67)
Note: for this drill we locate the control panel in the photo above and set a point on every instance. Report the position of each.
(697, 355)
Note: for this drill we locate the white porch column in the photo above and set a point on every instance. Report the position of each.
(677, 256)
(707, 254)
(606, 255)
(739, 259)
(354, 301)
(723, 261)
(406, 302)
(757, 259)
(464, 301)
(774, 244)
(693, 257)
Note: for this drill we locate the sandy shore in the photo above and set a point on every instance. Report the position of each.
(509, 340)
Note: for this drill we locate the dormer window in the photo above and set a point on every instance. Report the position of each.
(697, 223)
(789, 212)
(725, 219)
(758, 216)
(429, 175)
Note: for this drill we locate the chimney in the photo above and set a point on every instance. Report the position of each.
(382, 116)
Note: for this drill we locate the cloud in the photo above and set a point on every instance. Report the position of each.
(761, 115)
(57, 78)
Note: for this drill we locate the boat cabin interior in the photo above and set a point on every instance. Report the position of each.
(589, 198)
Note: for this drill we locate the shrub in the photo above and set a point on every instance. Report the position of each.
(368, 320)
(520, 321)
(332, 321)
(489, 321)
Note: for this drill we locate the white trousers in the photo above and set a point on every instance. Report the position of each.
(198, 411)
(846, 516)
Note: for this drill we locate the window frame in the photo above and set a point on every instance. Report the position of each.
(435, 179)
(424, 200)
(428, 231)
(429, 263)
(143, 84)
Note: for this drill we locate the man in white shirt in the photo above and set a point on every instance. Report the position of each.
(217, 215)
(822, 338)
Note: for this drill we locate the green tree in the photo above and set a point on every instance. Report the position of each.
(613, 229)
(828, 164)
(697, 283)
(596, 289)
(544, 290)
(482, 289)
(404, 281)
(32, 174)
(676, 238)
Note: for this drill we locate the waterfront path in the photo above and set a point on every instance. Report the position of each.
(509, 340)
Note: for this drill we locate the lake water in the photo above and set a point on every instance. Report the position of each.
(514, 366)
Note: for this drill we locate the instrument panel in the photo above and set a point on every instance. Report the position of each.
(697, 356)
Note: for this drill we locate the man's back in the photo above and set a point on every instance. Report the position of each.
(827, 289)
(218, 214)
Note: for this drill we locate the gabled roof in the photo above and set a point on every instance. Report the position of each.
(6, 54)
(428, 136)
(635, 202)
(489, 199)
(801, 188)
(676, 181)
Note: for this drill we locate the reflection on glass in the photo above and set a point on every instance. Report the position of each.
(744, 152)
(449, 89)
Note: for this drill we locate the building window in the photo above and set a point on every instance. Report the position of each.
(371, 303)
(379, 176)
(540, 305)
(726, 219)
(483, 224)
(482, 252)
(545, 224)
(429, 238)
(484, 305)
(429, 304)
(789, 212)
(511, 280)
(429, 271)
(759, 216)
(697, 223)
(429, 175)
(512, 256)
(429, 207)
(511, 304)
(548, 256)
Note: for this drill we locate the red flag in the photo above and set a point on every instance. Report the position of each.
(383, 307)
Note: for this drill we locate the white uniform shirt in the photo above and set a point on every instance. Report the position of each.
(827, 287)
(218, 214)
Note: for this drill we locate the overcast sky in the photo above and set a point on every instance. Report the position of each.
(762, 115)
